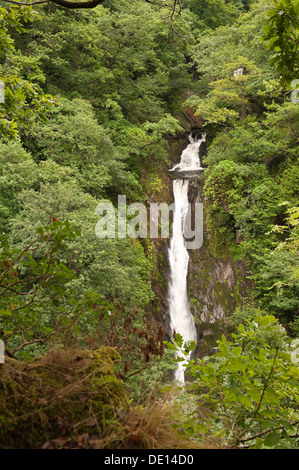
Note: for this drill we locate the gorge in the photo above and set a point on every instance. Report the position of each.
(127, 233)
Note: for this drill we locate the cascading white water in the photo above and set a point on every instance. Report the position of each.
(180, 316)
(190, 157)
(181, 319)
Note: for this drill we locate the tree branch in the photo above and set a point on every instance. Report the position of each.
(265, 385)
(278, 428)
(63, 3)
(238, 440)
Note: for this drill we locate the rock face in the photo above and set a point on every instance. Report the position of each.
(217, 284)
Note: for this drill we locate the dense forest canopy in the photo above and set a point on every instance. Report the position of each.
(94, 91)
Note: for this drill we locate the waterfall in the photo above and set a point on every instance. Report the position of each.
(181, 319)
(190, 157)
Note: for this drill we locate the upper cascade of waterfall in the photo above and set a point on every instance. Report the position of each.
(190, 163)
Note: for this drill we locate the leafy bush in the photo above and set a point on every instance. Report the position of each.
(249, 389)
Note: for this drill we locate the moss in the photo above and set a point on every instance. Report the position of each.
(195, 304)
(237, 294)
(223, 296)
(44, 398)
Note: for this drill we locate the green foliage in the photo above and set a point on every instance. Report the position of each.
(27, 284)
(235, 45)
(73, 137)
(113, 59)
(209, 14)
(277, 277)
(245, 191)
(111, 270)
(149, 379)
(281, 34)
(25, 103)
(116, 266)
(17, 172)
(250, 387)
(276, 286)
(291, 230)
(229, 96)
(117, 95)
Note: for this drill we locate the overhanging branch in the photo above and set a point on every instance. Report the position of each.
(176, 6)
(62, 3)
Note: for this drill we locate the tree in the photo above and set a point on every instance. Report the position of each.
(97, 164)
(229, 96)
(24, 101)
(281, 34)
(290, 230)
(63, 3)
(25, 283)
(175, 6)
(212, 14)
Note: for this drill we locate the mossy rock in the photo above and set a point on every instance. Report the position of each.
(61, 394)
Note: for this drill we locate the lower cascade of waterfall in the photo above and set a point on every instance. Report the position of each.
(181, 319)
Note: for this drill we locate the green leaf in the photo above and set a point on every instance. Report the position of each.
(258, 443)
(246, 401)
(237, 351)
(272, 439)
(5, 313)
